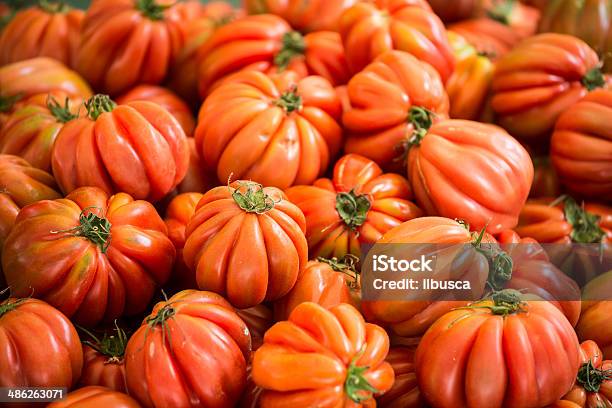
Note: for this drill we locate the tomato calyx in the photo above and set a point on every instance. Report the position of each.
(507, 301)
(161, 319)
(293, 45)
(501, 11)
(253, 199)
(356, 386)
(7, 102)
(112, 346)
(152, 10)
(61, 113)
(585, 225)
(10, 304)
(92, 227)
(421, 119)
(500, 263)
(591, 378)
(352, 208)
(99, 104)
(290, 100)
(346, 266)
(53, 6)
(593, 79)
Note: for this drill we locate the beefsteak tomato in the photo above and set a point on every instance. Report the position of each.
(103, 363)
(405, 391)
(595, 320)
(94, 397)
(258, 319)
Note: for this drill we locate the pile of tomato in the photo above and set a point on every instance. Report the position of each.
(153, 257)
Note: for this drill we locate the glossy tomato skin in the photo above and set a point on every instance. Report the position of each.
(146, 156)
(88, 279)
(405, 391)
(369, 29)
(40, 76)
(164, 98)
(515, 351)
(581, 147)
(491, 173)
(331, 234)
(46, 30)
(538, 80)
(298, 118)
(39, 344)
(246, 255)
(380, 98)
(165, 362)
(101, 370)
(95, 397)
(306, 359)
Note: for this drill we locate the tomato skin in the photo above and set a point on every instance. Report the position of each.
(258, 319)
(594, 323)
(481, 359)
(40, 76)
(198, 178)
(538, 80)
(545, 180)
(39, 344)
(405, 391)
(95, 397)
(492, 199)
(164, 98)
(381, 96)
(454, 11)
(101, 370)
(165, 368)
(246, 131)
(328, 234)
(72, 273)
(41, 31)
(581, 147)
(305, 360)
(146, 157)
(369, 29)
(246, 256)
(487, 36)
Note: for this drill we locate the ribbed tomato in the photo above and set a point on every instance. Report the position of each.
(539, 79)
(470, 171)
(267, 43)
(93, 396)
(92, 256)
(357, 206)
(405, 391)
(390, 101)
(255, 124)
(581, 147)
(103, 363)
(324, 358)
(370, 28)
(191, 351)
(198, 178)
(246, 242)
(258, 319)
(138, 148)
(48, 29)
(327, 282)
(39, 347)
(596, 314)
(178, 213)
(164, 98)
(527, 349)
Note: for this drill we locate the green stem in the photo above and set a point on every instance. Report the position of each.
(251, 197)
(9, 305)
(500, 263)
(112, 346)
(293, 45)
(61, 113)
(7, 102)
(501, 11)
(290, 100)
(356, 386)
(585, 225)
(346, 266)
(591, 378)
(594, 79)
(99, 104)
(352, 208)
(94, 228)
(152, 10)
(53, 6)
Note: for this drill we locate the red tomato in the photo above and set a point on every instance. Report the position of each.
(92, 256)
(191, 351)
(356, 207)
(198, 178)
(258, 319)
(324, 358)
(95, 397)
(405, 391)
(103, 363)
(247, 243)
(370, 28)
(501, 352)
(39, 347)
(596, 314)
(393, 88)
(138, 148)
(454, 10)
(545, 179)
(255, 124)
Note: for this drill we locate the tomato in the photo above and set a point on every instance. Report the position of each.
(92, 256)
(266, 43)
(198, 178)
(49, 29)
(322, 357)
(501, 352)
(490, 37)
(103, 363)
(40, 76)
(470, 171)
(455, 10)
(545, 179)
(357, 206)
(164, 98)
(31, 130)
(191, 335)
(581, 147)
(303, 15)
(258, 319)
(327, 282)
(595, 319)
(539, 79)
(252, 393)
(256, 124)
(395, 87)
(178, 213)
(95, 397)
(39, 344)
(405, 391)
(369, 29)
(247, 243)
(138, 148)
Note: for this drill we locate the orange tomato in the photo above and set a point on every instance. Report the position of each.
(95, 397)
(405, 391)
